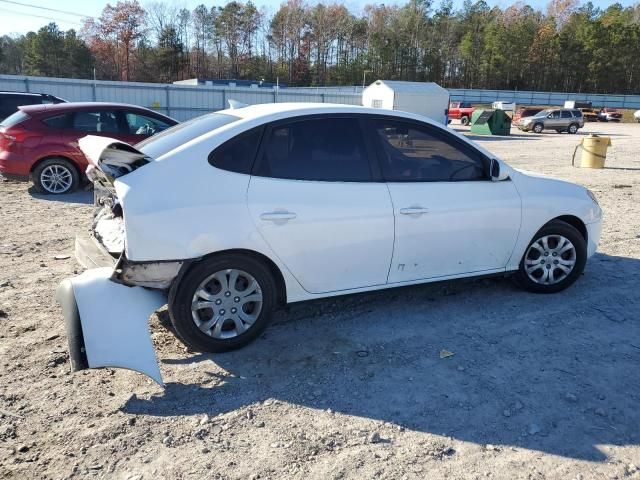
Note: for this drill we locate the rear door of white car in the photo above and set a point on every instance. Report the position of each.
(450, 218)
(313, 198)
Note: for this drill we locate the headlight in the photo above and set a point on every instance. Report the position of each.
(593, 197)
(526, 120)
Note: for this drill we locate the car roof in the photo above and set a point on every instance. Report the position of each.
(22, 94)
(267, 110)
(78, 106)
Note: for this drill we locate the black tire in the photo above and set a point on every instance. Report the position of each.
(538, 127)
(68, 169)
(553, 228)
(573, 128)
(464, 120)
(181, 301)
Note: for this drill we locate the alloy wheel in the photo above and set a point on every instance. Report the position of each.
(56, 179)
(550, 259)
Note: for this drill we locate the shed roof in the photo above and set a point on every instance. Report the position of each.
(412, 87)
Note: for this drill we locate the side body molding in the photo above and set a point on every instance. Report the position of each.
(107, 323)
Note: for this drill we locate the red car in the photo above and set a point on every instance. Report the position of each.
(460, 111)
(609, 115)
(41, 141)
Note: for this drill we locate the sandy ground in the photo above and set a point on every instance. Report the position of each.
(539, 387)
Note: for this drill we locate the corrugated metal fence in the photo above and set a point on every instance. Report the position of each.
(184, 101)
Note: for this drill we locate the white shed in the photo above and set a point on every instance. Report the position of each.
(424, 98)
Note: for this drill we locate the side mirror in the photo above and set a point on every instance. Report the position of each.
(495, 172)
(550, 115)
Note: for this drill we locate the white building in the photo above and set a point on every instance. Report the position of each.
(424, 98)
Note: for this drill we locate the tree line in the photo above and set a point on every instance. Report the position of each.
(567, 47)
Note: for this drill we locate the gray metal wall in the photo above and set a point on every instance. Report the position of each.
(544, 98)
(183, 102)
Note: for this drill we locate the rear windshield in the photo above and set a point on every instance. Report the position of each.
(171, 138)
(14, 119)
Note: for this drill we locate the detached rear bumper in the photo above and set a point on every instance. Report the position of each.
(107, 323)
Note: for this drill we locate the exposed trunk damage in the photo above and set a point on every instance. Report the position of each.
(106, 308)
(107, 323)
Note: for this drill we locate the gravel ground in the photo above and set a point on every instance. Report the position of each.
(538, 387)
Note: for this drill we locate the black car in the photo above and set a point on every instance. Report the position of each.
(10, 101)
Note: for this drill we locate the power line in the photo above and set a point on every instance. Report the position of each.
(44, 8)
(39, 16)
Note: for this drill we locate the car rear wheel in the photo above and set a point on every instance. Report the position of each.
(538, 127)
(56, 176)
(464, 120)
(573, 129)
(223, 303)
(554, 259)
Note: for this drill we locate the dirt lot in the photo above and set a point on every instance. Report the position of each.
(539, 387)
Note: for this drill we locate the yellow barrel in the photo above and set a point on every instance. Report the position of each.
(594, 151)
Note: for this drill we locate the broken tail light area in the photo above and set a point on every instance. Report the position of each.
(107, 323)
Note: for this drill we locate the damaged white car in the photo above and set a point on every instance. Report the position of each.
(233, 214)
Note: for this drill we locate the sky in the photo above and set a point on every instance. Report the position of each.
(22, 16)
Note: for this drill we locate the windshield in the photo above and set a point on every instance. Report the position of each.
(543, 113)
(171, 138)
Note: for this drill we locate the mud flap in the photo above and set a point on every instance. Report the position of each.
(107, 323)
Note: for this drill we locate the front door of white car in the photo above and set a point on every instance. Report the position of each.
(450, 218)
(312, 199)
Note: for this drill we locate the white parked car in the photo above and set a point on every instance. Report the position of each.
(636, 116)
(230, 215)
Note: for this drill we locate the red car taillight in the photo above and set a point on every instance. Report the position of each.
(11, 139)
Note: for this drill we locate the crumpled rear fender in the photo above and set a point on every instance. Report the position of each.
(107, 323)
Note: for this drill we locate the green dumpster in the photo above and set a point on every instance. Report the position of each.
(490, 122)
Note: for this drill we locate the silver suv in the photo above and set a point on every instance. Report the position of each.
(560, 120)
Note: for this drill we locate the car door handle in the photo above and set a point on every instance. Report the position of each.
(413, 211)
(277, 216)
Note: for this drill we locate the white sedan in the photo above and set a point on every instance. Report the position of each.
(230, 215)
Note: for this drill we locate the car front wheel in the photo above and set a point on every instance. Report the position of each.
(538, 127)
(223, 303)
(55, 176)
(554, 259)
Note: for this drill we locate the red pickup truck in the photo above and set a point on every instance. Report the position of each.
(460, 111)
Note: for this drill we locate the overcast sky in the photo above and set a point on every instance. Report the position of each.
(21, 16)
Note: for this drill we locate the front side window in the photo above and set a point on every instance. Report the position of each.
(104, 121)
(144, 125)
(555, 114)
(323, 149)
(416, 153)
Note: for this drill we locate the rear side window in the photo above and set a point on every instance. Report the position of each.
(566, 114)
(58, 121)
(237, 154)
(329, 149)
(16, 118)
(576, 113)
(417, 153)
(104, 121)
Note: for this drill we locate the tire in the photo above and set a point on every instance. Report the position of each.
(56, 176)
(573, 129)
(222, 335)
(537, 261)
(538, 127)
(464, 120)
